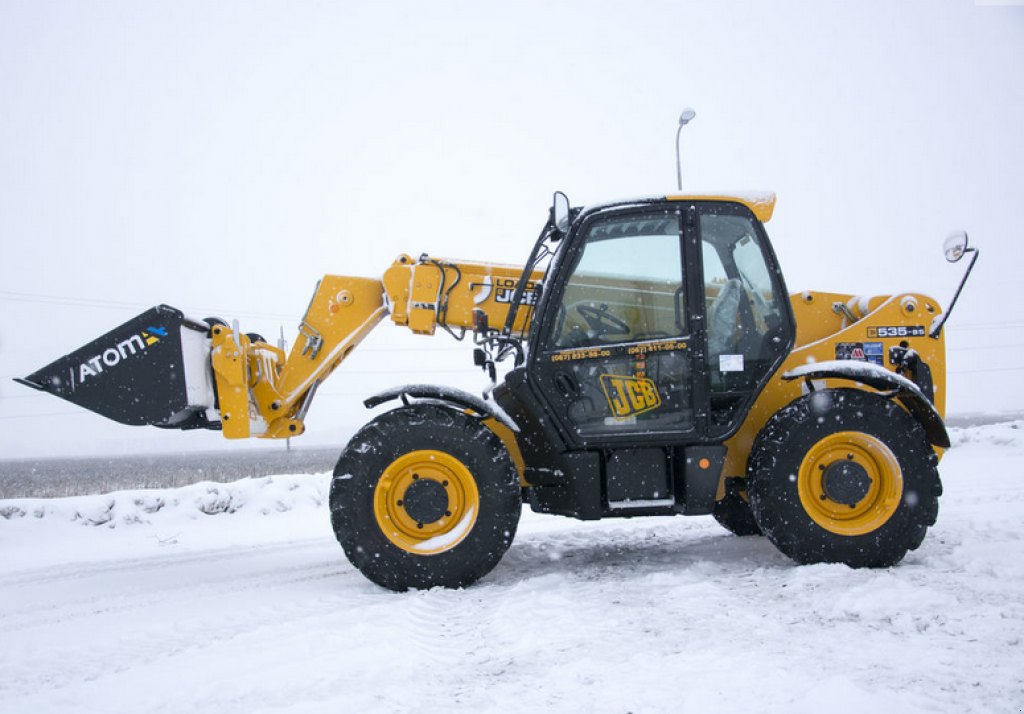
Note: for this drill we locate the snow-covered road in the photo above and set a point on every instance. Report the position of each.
(236, 598)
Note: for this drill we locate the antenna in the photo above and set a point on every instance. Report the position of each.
(685, 118)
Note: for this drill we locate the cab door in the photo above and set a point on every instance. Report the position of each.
(748, 317)
(614, 361)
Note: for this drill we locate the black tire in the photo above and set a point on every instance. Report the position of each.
(425, 496)
(844, 476)
(733, 512)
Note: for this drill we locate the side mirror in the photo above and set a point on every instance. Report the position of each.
(955, 246)
(560, 212)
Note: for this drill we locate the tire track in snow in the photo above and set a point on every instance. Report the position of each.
(58, 573)
(439, 627)
(60, 602)
(63, 614)
(468, 640)
(62, 667)
(171, 607)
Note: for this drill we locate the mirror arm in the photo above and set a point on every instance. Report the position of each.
(937, 324)
(517, 295)
(551, 232)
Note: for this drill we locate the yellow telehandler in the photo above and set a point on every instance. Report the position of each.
(655, 365)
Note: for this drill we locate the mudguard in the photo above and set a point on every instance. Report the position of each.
(876, 377)
(448, 395)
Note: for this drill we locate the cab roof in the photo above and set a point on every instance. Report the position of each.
(761, 204)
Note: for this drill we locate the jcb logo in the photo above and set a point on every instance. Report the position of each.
(503, 290)
(629, 396)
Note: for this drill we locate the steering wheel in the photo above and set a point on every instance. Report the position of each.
(601, 322)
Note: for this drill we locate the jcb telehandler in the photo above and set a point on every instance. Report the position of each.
(658, 367)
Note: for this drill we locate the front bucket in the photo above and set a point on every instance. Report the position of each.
(152, 370)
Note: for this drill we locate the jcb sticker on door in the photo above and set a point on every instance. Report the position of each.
(629, 396)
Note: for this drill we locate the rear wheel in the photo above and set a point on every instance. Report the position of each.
(425, 496)
(844, 476)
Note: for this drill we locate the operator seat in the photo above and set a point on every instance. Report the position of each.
(722, 318)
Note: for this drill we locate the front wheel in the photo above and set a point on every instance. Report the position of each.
(844, 476)
(425, 496)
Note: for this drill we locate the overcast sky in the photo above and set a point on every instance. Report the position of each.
(222, 156)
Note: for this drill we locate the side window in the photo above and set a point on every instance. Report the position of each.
(743, 307)
(753, 272)
(626, 286)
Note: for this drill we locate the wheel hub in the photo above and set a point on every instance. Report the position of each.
(426, 500)
(850, 483)
(846, 482)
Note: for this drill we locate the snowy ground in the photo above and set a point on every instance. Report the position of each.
(236, 598)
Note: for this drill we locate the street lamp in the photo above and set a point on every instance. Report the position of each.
(685, 118)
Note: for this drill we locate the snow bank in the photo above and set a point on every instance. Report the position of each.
(252, 512)
(1008, 435)
(265, 496)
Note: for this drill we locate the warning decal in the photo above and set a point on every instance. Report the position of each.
(861, 352)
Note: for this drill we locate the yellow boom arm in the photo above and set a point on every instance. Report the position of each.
(262, 393)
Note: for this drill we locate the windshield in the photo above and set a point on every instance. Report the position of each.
(626, 285)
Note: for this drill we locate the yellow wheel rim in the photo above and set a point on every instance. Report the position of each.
(850, 483)
(426, 502)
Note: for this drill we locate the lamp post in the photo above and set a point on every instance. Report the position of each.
(685, 118)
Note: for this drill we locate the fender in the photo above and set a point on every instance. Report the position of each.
(876, 377)
(494, 416)
(446, 395)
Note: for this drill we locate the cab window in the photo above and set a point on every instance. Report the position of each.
(744, 308)
(626, 285)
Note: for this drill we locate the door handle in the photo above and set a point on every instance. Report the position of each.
(566, 384)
